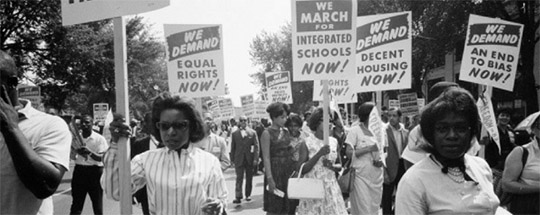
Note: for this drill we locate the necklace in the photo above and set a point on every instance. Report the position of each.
(456, 175)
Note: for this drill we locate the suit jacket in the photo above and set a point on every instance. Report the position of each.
(393, 156)
(244, 148)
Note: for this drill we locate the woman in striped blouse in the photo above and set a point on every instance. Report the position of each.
(180, 178)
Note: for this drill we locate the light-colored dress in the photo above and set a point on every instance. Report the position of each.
(425, 189)
(366, 195)
(333, 202)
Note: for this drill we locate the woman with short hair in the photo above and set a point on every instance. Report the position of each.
(318, 159)
(180, 178)
(278, 161)
(448, 181)
(365, 153)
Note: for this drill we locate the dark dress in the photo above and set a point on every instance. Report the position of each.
(282, 164)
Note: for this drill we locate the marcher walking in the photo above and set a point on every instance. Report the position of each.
(244, 154)
(88, 169)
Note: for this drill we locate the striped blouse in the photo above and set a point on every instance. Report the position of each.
(176, 184)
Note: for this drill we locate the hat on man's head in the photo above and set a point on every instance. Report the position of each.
(437, 89)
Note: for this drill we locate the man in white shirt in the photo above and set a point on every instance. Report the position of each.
(395, 168)
(88, 169)
(34, 149)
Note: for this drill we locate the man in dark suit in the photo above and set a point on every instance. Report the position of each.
(395, 168)
(244, 154)
(139, 146)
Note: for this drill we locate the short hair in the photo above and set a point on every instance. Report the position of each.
(315, 119)
(455, 100)
(87, 116)
(398, 111)
(507, 111)
(437, 89)
(293, 118)
(166, 101)
(307, 114)
(364, 110)
(264, 122)
(277, 109)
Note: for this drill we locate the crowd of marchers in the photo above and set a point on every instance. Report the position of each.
(435, 165)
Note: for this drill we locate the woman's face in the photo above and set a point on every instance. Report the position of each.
(280, 120)
(320, 128)
(503, 118)
(294, 128)
(173, 128)
(452, 136)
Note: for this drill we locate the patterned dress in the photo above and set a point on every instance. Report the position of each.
(282, 165)
(333, 202)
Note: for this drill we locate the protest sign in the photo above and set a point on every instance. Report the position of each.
(278, 85)
(260, 109)
(408, 103)
(31, 93)
(393, 103)
(248, 105)
(377, 128)
(81, 11)
(100, 112)
(421, 103)
(226, 108)
(213, 108)
(195, 60)
(383, 52)
(323, 34)
(491, 52)
(487, 118)
(340, 91)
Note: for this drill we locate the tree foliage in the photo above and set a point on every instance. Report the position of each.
(273, 52)
(438, 27)
(74, 65)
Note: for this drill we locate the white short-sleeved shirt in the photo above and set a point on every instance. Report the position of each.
(425, 189)
(97, 145)
(50, 138)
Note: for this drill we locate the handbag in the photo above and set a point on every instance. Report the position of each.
(346, 179)
(305, 188)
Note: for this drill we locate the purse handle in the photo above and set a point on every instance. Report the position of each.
(300, 172)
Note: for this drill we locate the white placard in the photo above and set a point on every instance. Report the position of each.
(195, 60)
(340, 91)
(278, 85)
(82, 11)
(487, 118)
(323, 39)
(383, 52)
(491, 52)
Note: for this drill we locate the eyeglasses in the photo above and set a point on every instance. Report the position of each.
(180, 125)
(459, 129)
(242, 120)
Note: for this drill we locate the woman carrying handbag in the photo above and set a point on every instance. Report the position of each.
(320, 166)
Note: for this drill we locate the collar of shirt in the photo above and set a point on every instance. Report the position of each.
(154, 141)
(400, 129)
(183, 150)
(27, 111)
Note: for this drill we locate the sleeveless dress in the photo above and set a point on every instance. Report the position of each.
(333, 202)
(282, 165)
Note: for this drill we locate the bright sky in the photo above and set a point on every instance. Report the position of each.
(241, 21)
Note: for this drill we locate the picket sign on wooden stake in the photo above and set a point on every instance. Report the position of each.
(120, 73)
(326, 115)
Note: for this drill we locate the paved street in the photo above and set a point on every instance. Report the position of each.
(62, 199)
